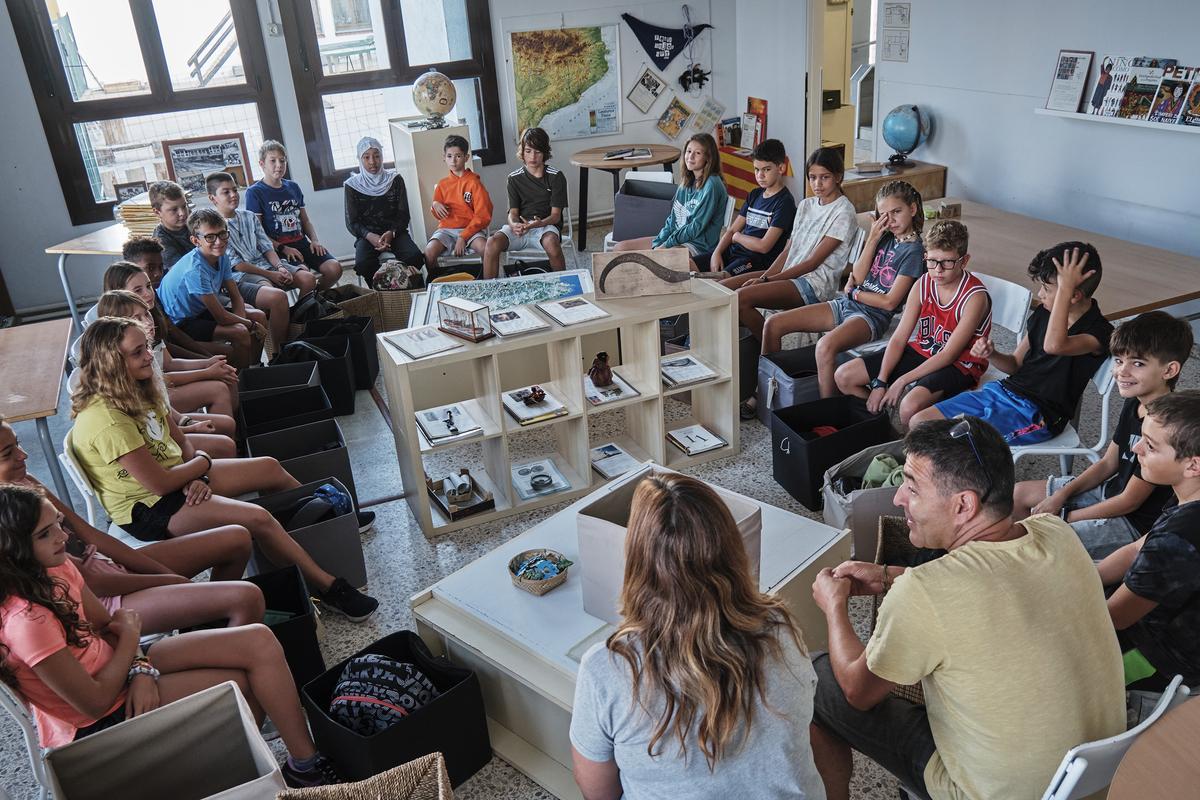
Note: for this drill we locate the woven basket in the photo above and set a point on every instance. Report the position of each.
(295, 329)
(424, 778)
(895, 548)
(538, 588)
(356, 301)
(394, 305)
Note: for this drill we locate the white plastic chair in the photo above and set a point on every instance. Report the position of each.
(1090, 767)
(566, 240)
(91, 501)
(1010, 310)
(648, 177)
(1067, 444)
(16, 708)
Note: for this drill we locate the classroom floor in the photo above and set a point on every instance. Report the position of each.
(401, 561)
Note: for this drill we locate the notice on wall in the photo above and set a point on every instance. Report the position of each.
(895, 44)
(897, 15)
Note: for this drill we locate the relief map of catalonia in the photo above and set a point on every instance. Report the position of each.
(567, 80)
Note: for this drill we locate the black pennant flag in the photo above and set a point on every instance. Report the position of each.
(662, 44)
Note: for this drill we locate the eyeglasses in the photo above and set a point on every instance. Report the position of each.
(960, 430)
(942, 264)
(212, 238)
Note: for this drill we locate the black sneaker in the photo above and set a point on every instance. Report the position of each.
(366, 520)
(322, 773)
(348, 601)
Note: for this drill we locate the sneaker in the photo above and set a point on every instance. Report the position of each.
(366, 520)
(747, 410)
(345, 599)
(321, 773)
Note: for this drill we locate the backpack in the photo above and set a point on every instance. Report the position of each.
(375, 692)
(311, 306)
(394, 276)
(299, 351)
(519, 267)
(326, 502)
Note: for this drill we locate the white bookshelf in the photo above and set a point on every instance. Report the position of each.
(1134, 123)
(484, 365)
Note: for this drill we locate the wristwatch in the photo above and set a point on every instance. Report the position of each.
(877, 383)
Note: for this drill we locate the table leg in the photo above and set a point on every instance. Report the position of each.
(66, 284)
(616, 173)
(51, 453)
(583, 192)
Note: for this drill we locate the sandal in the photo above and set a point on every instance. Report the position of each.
(747, 410)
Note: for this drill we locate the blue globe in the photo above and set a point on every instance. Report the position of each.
(905, 128)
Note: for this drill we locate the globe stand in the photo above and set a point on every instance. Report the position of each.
(899, 161)
(432, 122)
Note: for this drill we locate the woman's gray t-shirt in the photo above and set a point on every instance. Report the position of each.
(776, 760)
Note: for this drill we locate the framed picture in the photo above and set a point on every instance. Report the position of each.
(1070, 80)
(646, 90)
(673, 120)
(190, 161)
(125, 191)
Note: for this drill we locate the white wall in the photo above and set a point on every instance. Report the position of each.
(981, 68)
(34, 214)
(772, 61)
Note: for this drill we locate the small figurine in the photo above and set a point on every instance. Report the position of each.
(601, 372)
(533, 395)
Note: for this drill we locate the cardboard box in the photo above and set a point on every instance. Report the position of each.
(203, 746)
(308, 452)
(334, 544)
(263, 381)
(640, 208)
(860, 509)
(602, 527)
(284, 409)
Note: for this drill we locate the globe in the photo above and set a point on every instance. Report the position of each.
(434, 96)
(905, 128)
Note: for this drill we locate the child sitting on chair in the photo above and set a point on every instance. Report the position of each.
(537, 197)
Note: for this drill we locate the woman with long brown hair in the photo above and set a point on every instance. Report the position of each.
(706, 683)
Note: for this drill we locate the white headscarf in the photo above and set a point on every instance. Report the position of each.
(370, 184)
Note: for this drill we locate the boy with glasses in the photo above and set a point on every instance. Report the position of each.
(189, 292)
(951, 312)
(1065, 342)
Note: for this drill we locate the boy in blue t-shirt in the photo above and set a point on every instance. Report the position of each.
(759, 232)
(280, 204)
(189, 292)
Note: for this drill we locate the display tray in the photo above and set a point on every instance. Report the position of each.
(481, 499)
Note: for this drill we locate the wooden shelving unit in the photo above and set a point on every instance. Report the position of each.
(1134, 123)
(713, 311)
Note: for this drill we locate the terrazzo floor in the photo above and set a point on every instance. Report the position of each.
(401, 561)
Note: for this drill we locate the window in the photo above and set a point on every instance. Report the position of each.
(113, 78)
(354, 63)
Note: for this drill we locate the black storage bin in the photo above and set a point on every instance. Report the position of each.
(800, 457)
(453, 723)
(263, 381)
(748, 350)
(788, 378)
(284, 590)
(335, 544)
(640, 208)
(361, 333)
(337, 373)
(285, 409)
(308, 452)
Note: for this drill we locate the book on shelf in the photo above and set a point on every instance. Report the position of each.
(619, 389)
(611, 460)
(528, 413)
(681, 369)
(518, 321)
(695, 439)
(758, 107)
(447, 423)
(537, 479)
(572, 310)
(420, 342)
(627, 153)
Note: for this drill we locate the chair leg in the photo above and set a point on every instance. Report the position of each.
(1065, 464)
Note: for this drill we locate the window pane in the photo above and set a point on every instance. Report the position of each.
(130, 149)
(350, 36)
(436, 32)
(99, 48)
(200, 43)
(353, 115)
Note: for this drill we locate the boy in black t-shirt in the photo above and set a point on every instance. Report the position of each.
(1156, 607)
(1065, 342)
(760, 230)
(537, 197)
(1110, 505)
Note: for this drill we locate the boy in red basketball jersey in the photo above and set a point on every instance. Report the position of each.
(950, 310)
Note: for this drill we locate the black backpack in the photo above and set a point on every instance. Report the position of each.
(298, 351)
(375, 692)
(311, 306)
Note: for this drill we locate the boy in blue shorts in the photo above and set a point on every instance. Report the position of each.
(279, 203)
(1065, 342)
(759, 232)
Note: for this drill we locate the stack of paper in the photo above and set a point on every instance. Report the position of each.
(611, 460)
(447, 423)
(682, 369)
(695, 439)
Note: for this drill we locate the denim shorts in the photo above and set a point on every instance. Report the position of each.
(807, 293)
(844, 308)
(531, 240)
(1099, 536)
(1018, 419)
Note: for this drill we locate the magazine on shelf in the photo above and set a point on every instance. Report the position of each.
(681, 369)
(1191, 106)
(526, 414)
(611, 460)
(517, 321)
(537, 479)
(447, 423)
(572, 311)
(420, 342)
(1172, 94)
(695, 439)
(1137, 94)
(599, 395)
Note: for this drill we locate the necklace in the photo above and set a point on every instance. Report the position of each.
(911, 236)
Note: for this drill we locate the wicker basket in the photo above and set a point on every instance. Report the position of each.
(895, 548)
(538, 588)
(394, 305)
(295, 329)
(356, 301)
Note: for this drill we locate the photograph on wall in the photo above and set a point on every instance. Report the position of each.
(646, 90)
(1070, 80)
(567, 80)
(673, 120)
(189, 161)
(128, 191)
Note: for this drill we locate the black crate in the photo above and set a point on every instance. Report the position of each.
(337, 373)
(360, 331)
(261, 381)
(284, 590)
(308, 452)
(285, 409)
(453, 723)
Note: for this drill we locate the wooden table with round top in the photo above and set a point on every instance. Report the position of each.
(1162, 762)
(593, 158)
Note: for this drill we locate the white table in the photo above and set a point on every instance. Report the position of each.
(526, 649)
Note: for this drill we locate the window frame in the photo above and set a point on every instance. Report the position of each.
(60, 112)
(311, 84)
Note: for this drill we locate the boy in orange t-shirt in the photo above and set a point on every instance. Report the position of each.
(462, 204)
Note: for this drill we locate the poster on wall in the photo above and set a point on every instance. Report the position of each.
(895, 44)
(1070, 80)
(190, 160)
(673, 120)
(567, 81)
(646, 90)
(708, 116)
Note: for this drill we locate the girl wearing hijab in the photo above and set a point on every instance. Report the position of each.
(377, 212)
